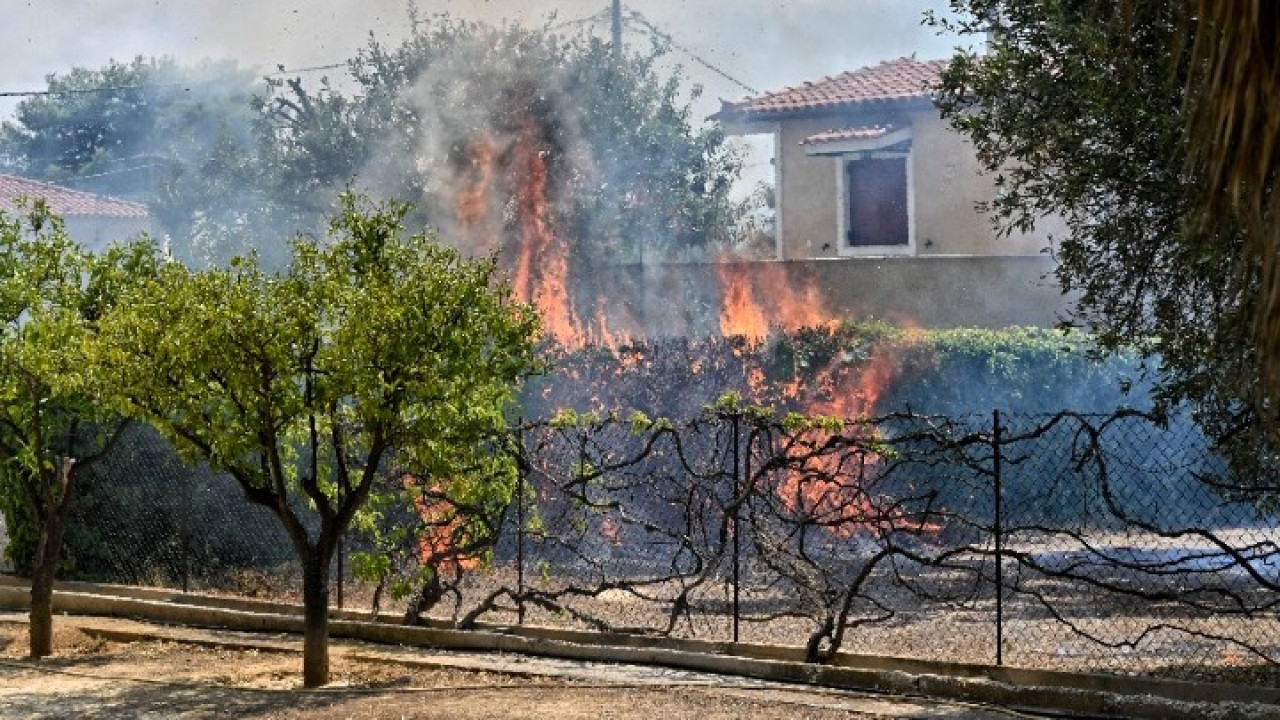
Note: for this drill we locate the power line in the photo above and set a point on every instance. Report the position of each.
(591, 19)
(634, 18)
(123, 88)
(78, 178)
(76, 91)
(313, 68)
(649, 27)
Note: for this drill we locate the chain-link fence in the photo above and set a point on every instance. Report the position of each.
(1120, 543)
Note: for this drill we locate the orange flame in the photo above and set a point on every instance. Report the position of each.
(739, 312)
(437, 547)
(759, 297)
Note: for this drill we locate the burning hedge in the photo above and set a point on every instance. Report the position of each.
(845, 370)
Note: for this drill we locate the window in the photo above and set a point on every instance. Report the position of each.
(876, 191)
(873, 200)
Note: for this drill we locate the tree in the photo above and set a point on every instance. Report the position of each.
(1080, 110)
(375, 355)
(631, 174)
(178, 138)
(55, 421)
(1234, 139)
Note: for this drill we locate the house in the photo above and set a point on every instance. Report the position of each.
(94, 221)
(867, 171)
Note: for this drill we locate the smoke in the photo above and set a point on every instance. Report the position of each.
(765, 43)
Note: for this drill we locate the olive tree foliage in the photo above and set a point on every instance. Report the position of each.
(55, 421)
(177, 137)
(1079, 110)
(376, 355)
(632, 173)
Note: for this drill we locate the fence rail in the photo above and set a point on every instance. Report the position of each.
(1117, 543)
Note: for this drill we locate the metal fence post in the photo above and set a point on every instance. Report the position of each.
(520, 473)
(186, 562)
(184, 549)
(737, 496)
(999, 532)
(341, 579)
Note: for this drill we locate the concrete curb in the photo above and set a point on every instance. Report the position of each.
(1055, 691)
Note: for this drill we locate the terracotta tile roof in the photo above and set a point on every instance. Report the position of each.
(65, 201)
(891, 81)
(869, 132)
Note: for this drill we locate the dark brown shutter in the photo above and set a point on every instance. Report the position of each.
(877, 189)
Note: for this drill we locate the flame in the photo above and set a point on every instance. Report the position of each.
(542, 266)
(757, 298)
(740, 314)
(437, 545)
(472, 207)
(833, 489)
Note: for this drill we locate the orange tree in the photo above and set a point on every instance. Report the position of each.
(376, 354)
(55, 417)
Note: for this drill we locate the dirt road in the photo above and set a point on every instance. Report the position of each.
(111, 668)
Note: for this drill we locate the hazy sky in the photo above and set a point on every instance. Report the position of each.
(764, 43)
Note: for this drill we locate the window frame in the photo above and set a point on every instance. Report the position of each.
(844, 201)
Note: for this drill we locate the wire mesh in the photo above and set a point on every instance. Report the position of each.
(1121, 543)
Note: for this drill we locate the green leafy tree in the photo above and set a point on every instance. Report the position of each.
(176, 137)
(55, 421)
(374, 356)
(1080, 110)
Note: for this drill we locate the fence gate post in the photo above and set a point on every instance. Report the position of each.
(737, 496)
(999, 532)
(520, 473)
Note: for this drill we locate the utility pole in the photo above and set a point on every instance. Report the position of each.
(616, 16)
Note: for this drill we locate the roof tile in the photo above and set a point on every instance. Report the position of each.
(893, 80)
(65, 201)
(868, 132)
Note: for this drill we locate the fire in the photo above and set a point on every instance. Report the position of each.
(437, 544)
(515, 183)
(833, 489)
(472, 205)
(757, 298)
(542, 267)
(739, 312)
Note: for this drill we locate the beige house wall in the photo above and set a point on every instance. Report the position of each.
(947, 184)
(807, 192)
(926, 291)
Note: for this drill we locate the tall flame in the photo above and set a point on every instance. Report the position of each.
(542, 268)
(739, 312)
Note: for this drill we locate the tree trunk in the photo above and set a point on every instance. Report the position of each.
(45, 565)
(315, 603)
(425, 598)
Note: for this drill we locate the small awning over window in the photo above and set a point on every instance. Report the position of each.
(868, 138)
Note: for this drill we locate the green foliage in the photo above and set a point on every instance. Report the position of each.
(886, 369)
(377, 357)
(54, 400)
(1016, 369)
(388, 341)
(1079, 111)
